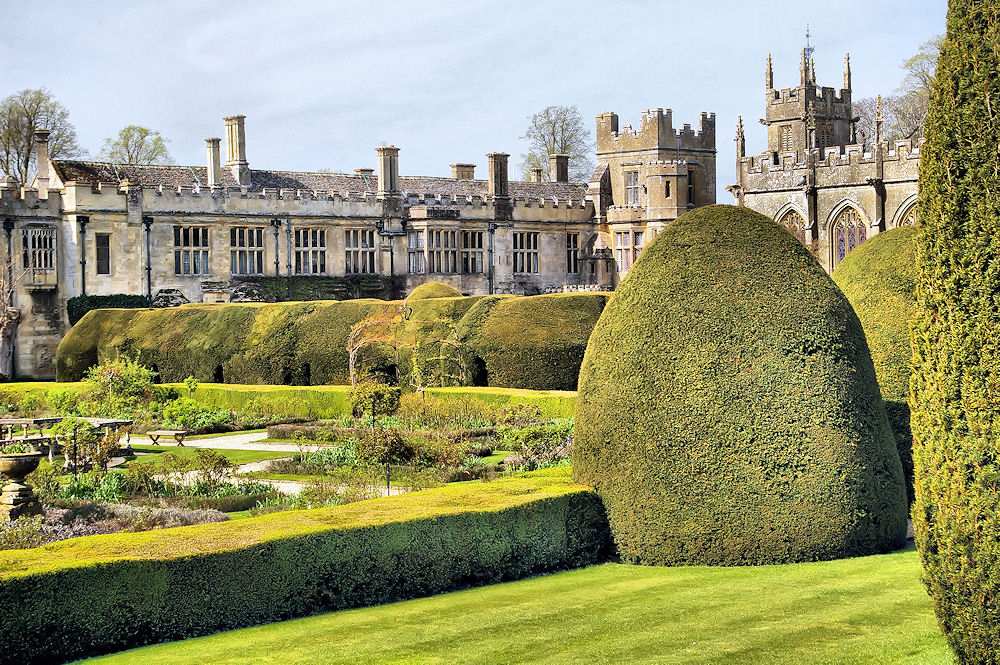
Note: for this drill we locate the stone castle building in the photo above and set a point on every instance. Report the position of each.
(814, 177)
(224, 231)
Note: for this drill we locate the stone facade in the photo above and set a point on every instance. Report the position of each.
(226, 231)
(830, 192)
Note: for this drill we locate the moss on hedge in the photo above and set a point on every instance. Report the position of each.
(878, 279)
(956, 355)
(105, 593)
(728, 411)
(532, 342)
(433, 290)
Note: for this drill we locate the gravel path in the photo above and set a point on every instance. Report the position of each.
(237, 441)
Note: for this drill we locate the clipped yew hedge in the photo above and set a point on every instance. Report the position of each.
(878, 279)
(531, 342)
(98, 594)
(433, 290)
(728, 411)
(955, 385)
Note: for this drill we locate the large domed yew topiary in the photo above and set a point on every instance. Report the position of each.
(878, 279)
(728, 411)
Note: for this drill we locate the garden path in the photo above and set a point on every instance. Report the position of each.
(235, 441)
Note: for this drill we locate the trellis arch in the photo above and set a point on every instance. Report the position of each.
(847, 227)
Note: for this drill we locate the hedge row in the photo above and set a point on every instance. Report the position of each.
(878, 279)
(728, 412)
(521, 342)
(78, 306)
(98, 594)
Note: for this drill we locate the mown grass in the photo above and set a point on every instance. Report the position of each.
(153, 453)
(870, 610)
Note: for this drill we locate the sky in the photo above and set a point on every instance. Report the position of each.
(323, 83)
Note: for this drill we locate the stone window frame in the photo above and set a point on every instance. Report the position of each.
(627, 247)
(310, 250)
(525, 252)
(848, 230)
(415, 249)
(473, 252)
(633, 188)
(98, 251)
(360, 250)
(192, 250)
(39, 244)
(442, 251)
(573, 253)
(246, 250)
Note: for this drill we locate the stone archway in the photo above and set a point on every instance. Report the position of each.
(847, 231)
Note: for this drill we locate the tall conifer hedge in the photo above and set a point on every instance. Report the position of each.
(955, 385)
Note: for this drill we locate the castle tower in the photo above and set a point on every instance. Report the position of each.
(807, 116)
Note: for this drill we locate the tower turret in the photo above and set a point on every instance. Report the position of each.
(769, 75)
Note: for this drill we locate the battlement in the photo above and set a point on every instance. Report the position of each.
(831, 157)
(656, 132)
(821, 94)
(25, 201)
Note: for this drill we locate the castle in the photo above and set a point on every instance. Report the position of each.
(814, 178)
(224, 231)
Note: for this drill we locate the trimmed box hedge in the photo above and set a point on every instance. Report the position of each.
(105, 593)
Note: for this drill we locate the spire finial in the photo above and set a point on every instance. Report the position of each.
(741, 145)
(769, 74)
(847, 71)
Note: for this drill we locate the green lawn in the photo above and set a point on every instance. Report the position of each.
(497, 456)
(869, 610)
(234, 456)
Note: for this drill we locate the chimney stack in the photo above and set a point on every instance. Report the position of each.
(536, 174)
(559, 168)
(42, 163)
(498, 179)
(214, 162)
(463, 171)
(388, 170)
(236, 149)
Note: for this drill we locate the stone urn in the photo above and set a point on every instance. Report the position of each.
(16, 496)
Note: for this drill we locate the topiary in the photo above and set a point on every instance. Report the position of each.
(728, 411)
(534, 342)
(878, 278)
(956, 356)
(433, 290)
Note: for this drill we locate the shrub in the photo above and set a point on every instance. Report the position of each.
(78, 306)
(956, 359)
(433, 290)
(531, 342)
(538, 446)
(372, 399)
(728, 411)
(187, 413)
(289, 564)
(878, 280)
(22, 533)
(384, 446)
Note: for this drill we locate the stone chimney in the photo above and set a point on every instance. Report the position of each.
(559, 168)
(463, 171)
(236, 149)
(498, 178)
(42, 163)
(388, 170)
(214, 162)
(536, 174)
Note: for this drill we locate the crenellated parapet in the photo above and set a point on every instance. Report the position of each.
(655, 132)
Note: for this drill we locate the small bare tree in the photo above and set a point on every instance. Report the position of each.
(558, 130)
(10, 316)
(20, 115)
(136, 145)
(375, 329)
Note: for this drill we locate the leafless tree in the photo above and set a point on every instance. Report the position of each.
(136, 145)
(559, 130)
(20, 115)
(903, 113)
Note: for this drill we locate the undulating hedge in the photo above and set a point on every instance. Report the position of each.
(728, 411)
(78, 306)
(531, 342)
(878, 279)
(433, 290)
(534, 342)
(106, 593)
(955, 385)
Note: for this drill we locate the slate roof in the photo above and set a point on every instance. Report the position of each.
(85, 172)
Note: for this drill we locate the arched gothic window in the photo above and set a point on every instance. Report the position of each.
(793, 221)
(910, 218)
(848, 232)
